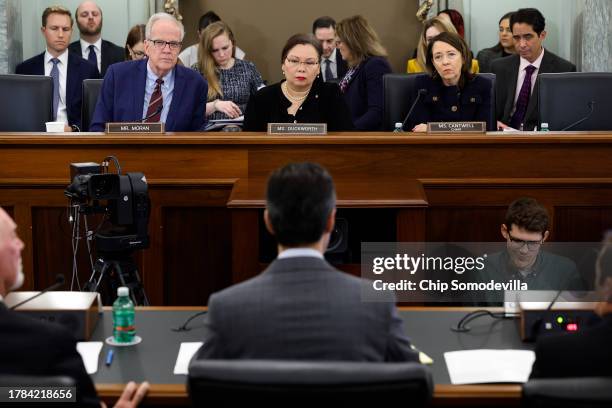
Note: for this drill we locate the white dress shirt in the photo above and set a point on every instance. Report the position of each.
(97, 46)
(521, 76)
(62, 66)
(300, 252)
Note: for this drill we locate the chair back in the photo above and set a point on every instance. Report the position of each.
(91, 90)
(27, 102)
(585, 392)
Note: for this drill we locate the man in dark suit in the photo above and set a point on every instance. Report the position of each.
(586, 353)
(155, 89)
(516, 75)
(91, 46)
(32, 347)
(300, 307)
(333, 67)
(67, 70)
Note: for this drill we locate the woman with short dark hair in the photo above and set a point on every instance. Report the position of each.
(504, 48)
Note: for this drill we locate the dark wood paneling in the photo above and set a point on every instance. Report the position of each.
(582, 224)
(464, 224)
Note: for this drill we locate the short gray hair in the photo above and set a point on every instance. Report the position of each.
(163, 16)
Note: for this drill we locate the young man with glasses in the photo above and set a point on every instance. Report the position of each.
(154, 89)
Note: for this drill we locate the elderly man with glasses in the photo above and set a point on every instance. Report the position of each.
(154, 89)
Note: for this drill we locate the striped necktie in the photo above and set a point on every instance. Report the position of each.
(156, 103)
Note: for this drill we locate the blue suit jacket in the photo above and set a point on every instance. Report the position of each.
(78, 70)
(364, 94)
(122, 97)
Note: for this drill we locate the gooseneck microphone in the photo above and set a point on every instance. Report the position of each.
(420, 93)
(591, 106)
(59, 281)
(159, 109)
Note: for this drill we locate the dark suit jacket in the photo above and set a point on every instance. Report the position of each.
(341, 65)
(122, 97)
(506, 71)
(473, 103)
(583, 354)
(33, 347)
(364, 94)
(303, 309)
(111, 53)
(324, 104)
(78, 70)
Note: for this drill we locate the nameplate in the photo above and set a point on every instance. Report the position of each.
(446, 127)
(134, 127)
(297, 128)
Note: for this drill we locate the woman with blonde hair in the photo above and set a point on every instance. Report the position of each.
(231, 81)
(367, 60)
(432, 28)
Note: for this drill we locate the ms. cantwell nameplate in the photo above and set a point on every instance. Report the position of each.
(446, 127)
(135, 127)
(297, 128)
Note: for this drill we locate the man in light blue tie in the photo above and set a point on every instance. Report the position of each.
(67, 70)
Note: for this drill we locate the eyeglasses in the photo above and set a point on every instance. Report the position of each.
(161, 44)
(294, 62)
(516, 243)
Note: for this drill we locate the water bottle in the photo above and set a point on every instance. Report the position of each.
(123, 317)
(398, 128)
(544, 127)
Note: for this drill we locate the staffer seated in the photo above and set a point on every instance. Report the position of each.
(362, 85)
(67, 69)
(453, 94)
(302, 97)
(504, 48)
(587, 353)
(154, 89)
(231, 81)
(32, 347)
(134, 43)
(432, 28)
(301, 307)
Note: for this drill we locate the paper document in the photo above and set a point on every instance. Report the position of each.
(489, 366)
(186, 352)
(90, 352)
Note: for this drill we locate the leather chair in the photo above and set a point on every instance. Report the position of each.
(586, 392)
(27, 103)
(400, 93)
(287, 383)
(91, 90)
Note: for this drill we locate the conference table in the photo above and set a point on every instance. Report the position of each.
(154, 358)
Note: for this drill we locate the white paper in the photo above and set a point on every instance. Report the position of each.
(90, 353)
(186, 352)
(489, 366)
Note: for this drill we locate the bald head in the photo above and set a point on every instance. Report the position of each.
(11, 275)
(88, 16)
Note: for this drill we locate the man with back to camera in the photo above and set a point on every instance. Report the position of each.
(300, 307)
(586, 353)
(32, 347)
(154, 89)
(333, 67)
(68, 70)
(91, 46)
(525, 230)
(516, 75)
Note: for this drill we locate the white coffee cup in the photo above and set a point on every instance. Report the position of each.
(55, 127)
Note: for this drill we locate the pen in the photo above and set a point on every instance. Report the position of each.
(109, 357)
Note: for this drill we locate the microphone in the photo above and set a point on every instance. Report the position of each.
(158, 110)
(421, 92)
(591, 106)
(59, 281)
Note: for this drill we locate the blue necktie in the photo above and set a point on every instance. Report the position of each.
(56, 95)
(92, 57)
(328, 72)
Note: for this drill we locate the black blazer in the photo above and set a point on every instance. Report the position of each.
(324, 104)
(506, 71)
(303, 309)
(32, 347)
(341, 65)
(78, 70)
(111, 53)
(584, 354)
(445, 103)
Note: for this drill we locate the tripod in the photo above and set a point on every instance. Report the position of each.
(122, 271)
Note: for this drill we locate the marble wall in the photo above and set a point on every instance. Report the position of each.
(11, 52)
(596, 44)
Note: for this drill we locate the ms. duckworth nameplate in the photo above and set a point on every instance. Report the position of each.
(297, 128)
(446, 127)
(134, 127)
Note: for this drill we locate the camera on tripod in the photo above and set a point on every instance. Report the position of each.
(124, 202)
